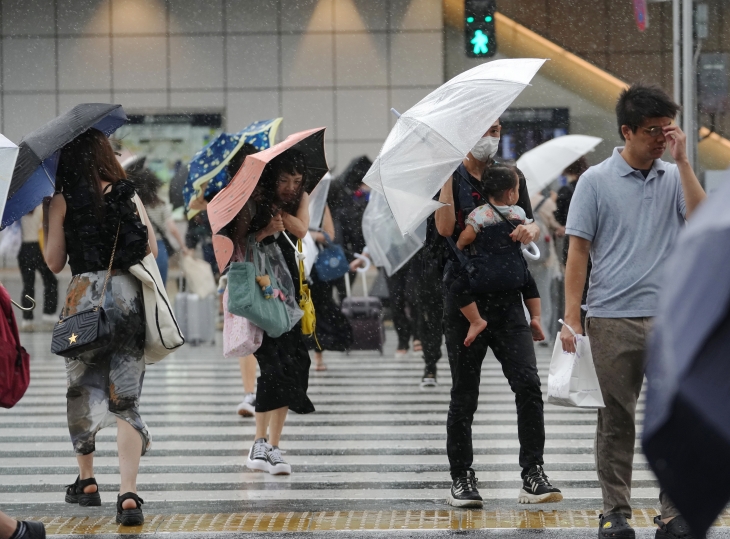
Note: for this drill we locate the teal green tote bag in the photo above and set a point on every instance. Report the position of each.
(245, 297)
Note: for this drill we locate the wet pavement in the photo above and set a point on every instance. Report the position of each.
(371, 458)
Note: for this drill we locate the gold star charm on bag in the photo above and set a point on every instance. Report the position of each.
(72, 339)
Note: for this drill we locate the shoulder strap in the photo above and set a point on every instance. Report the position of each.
(463, 260)
(109, 270)
(300, 257)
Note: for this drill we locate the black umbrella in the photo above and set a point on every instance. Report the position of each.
(176, 186)
(34, 175)
(687, 425)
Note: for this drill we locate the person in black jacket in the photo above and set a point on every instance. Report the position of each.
(508, 334)
(565, 195)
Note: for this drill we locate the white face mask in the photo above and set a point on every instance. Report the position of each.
(485, 148)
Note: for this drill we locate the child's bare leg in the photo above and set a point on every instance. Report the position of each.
(477, 324)
(533, 306)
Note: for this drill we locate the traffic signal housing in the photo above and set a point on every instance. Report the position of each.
(479, 34)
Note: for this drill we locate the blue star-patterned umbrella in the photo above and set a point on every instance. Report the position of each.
(208, 175)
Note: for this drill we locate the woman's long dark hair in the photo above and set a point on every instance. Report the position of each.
(265, 194)
(147, 185)
(87, 161)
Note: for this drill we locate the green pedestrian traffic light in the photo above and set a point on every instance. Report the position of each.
(481, 43)
(479, 31)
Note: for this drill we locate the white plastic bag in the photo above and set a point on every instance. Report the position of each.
(311, 252)
(572, 380)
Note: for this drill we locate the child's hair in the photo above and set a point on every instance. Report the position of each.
(497, 179)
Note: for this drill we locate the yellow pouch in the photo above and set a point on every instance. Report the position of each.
(309, 319)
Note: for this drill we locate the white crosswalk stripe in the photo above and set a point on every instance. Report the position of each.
(376, 436)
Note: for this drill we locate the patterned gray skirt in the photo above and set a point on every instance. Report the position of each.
(105, 384)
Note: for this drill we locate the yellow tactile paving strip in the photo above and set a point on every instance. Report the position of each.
(344, 521)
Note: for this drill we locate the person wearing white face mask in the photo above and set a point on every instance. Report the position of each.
(507, 333)
(485, 148)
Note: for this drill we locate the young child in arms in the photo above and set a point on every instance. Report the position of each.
(501, 184)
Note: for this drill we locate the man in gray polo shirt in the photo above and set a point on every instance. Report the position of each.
(626, 214)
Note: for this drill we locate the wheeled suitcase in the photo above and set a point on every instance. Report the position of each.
(196, 317)
(365, 315)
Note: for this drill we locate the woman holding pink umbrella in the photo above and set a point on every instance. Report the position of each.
(279, 205)
(267, 199)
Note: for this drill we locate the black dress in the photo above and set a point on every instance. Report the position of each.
(284, 361)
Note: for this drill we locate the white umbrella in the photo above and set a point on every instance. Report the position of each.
(318, 201)
(545, 163)
(317, 204)
(8, 155)
(430, 139)
(388, 247)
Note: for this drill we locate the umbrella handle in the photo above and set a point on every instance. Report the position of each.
(367, 263)
(531, 251)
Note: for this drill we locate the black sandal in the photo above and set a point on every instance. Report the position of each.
(75, 493)
(129, 517)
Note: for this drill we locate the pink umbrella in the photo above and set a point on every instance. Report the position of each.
(226, 205)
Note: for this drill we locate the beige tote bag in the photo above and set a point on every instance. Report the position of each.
(163, 335)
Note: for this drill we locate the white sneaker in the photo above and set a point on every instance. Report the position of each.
(247, 407)
(400, 354)
(257, 456)
(277, 465)
(49, 318)
(26, 326)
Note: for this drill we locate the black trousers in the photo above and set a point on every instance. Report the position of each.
(428, 276)
(30, 260)
(401, 308)
(509, 337)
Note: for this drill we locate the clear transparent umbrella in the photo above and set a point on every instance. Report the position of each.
(8, 156)
(388, 247)
(546, 162)
(429, 140)
(318, 201)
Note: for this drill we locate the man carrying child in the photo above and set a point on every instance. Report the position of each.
(507, 333)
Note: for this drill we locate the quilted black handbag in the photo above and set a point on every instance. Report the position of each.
(85, 330)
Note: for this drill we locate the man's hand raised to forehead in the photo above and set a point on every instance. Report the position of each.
(677, 142)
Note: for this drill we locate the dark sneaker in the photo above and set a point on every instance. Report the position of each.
(536, 488)
(29, 529)
(464, 491)
(277, 465)
(677, 528)
(428, 381)
(614, 526)
(257, 459)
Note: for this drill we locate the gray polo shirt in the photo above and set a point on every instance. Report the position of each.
(632, 224)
